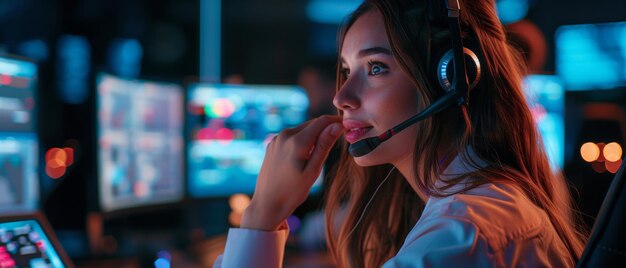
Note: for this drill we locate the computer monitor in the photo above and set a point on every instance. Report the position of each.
(18, 135)
(591, 56)
(546, 98)
(229, 127)
(27, 240)
(140, 142)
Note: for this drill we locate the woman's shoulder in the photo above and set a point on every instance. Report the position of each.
(491, 225)
(498, 212)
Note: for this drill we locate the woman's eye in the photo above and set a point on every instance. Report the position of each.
(377, 68)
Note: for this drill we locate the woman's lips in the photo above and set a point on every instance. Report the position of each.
(356, 134)
(355, 130)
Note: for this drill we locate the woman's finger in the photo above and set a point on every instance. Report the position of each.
(322, 148)
(308, 136)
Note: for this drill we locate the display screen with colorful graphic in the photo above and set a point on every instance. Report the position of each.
(229, 127)
(140, 142)
(18, 135)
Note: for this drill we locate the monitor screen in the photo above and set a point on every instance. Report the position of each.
(140, 142)
(591, 56)
(546, 98)
(229, 127)
(18, 135)
(27, 241)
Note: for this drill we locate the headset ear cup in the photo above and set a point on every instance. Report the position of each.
(445, 69)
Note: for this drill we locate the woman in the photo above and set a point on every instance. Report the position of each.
(470, 186)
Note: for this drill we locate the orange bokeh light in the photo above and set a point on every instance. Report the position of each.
(55, 163)
(612, 152)
(69, 154)
(55, 173)
(598, 167)
(51, 154)
(589, 151)
(613, 167)
(235, 218)
(239, 202)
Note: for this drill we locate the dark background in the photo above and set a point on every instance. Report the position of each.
(263, 42)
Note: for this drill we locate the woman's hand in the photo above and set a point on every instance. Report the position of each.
(293, 161)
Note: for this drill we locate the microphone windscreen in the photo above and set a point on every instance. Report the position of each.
(364, 146)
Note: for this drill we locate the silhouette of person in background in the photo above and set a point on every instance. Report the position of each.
(318, 80)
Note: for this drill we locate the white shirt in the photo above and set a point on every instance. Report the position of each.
(493, 225)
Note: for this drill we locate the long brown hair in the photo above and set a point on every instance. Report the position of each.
(490, 125)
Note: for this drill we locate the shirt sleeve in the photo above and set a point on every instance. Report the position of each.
(254, 248)
(443, 242)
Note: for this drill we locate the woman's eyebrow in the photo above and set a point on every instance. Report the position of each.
(373, 50)
(370, 51)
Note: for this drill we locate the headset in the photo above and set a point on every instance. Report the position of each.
(457, 71)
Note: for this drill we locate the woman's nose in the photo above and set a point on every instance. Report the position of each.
(347, 98)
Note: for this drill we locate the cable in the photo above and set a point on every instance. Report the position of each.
(368, 204)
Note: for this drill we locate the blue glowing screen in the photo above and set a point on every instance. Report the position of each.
(140, 142)
(18, 135)
(546, 98)
(592, 56)
(72, 68)
(124, 57)
(330, 11)
(25, 244)
(230, 127)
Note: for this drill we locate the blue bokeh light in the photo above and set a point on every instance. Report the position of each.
(125, 57)
(510, 11)
(73, 67)
(330, 11)
(162, 263)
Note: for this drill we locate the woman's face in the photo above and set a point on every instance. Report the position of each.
(376, 94)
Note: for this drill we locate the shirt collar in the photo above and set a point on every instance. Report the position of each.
(464, 162)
